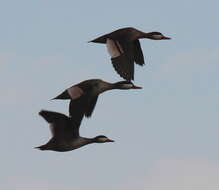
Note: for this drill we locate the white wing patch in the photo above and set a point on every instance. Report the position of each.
(114, 48)
(51, 127)
(75, 92)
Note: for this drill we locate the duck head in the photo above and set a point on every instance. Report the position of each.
(102, 139)
(123, 85)
(156, 36)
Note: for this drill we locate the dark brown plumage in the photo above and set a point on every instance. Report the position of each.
(125, 49)
(65, 133)
(84, 96)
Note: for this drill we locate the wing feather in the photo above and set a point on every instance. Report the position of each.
(138, 54)
(90, 107)
(124, 64)
(114, 48)
(61, 126)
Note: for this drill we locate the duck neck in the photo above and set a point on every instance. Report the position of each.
(106, 86)
(89, 140)
(112, 86)
(118, 85)
(102, 87)
(145, 35)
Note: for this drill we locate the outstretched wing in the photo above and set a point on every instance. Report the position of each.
(61, 126)
(124, 67)
(90, 106)
(81, 107)
(138, 54)
(77, 110)
(122, 57)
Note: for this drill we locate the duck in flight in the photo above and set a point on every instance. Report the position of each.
(84, 96)
(124, 48)
(65, 133)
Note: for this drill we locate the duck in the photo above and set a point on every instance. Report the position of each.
(124, 48)
(65, 133)
(83, 96)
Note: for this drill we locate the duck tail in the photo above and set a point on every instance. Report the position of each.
(64, 95)
(101, 40)
(42, 147)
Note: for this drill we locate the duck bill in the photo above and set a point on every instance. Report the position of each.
(165, 38)
(136, 87)
(110, 140)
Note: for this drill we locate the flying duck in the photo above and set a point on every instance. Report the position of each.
(65, 133)
(84, 95)
(124, 48)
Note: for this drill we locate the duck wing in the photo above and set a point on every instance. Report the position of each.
(81, 107)
(138, 54)
(122, 57)
(90, 106)
(77, 109)
(61, 126)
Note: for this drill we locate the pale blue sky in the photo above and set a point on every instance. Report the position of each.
(166, 134)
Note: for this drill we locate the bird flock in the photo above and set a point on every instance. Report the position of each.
(124, 48)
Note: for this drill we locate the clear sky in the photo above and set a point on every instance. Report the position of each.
(166, 134)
